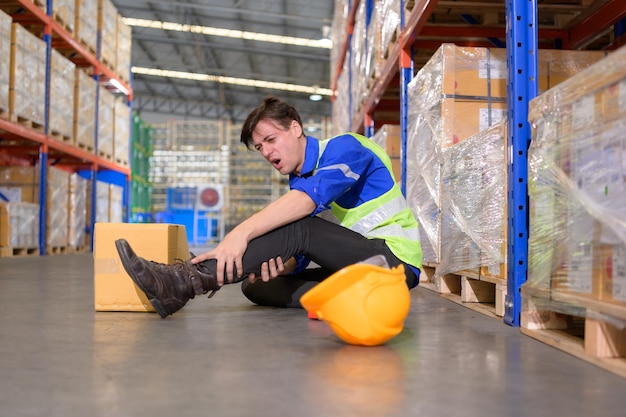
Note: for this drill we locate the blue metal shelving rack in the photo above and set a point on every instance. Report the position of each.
(110, 175)
(522, 87)
(522, 51)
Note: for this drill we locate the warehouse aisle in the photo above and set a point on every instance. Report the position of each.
(226, 357)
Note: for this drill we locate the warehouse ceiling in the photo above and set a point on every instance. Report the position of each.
(158, 98)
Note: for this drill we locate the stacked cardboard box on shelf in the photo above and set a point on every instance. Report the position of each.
(26, 180)
(106, 125)
(121, 132)
(77, 209)
(19, 226)
(64, 12)
(577, 184)
(85, 111)
(62, 80)
(459, 93)
(109, 202)
(123, 49)
(27, 84)
(473, 204)
(5, 64)
(387, 28)
(107, 28)
(86, 24)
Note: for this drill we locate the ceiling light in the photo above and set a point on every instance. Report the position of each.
(233, 80)
(229, 33)
(315, 97)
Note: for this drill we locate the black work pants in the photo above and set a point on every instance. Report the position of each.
(327, 244)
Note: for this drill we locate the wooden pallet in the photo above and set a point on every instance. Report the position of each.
(26, 122)
(589, 329)
(4, 113)
(121, 162)
(60, 136)
(78, 249)
(56, 250)
(10, 251)
(484, 294)
(85, 147)
(67, 26)
(105, 155)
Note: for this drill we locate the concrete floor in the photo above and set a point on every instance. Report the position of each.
(226, 357)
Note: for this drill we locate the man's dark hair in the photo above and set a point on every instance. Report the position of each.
(271, 108)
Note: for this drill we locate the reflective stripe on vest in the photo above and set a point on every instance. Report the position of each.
(387, 217)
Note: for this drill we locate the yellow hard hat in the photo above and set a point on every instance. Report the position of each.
(364, 304)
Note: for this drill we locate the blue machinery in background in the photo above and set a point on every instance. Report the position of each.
(199, 209)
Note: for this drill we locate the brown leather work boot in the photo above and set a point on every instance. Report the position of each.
(168, 287)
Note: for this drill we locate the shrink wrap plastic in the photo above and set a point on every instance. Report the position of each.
(577, 190)
(473, 201)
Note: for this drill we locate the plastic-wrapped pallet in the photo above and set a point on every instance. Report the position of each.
(102, 202)
(116, 204)
(338, 31)
(57, 222)
(106, 105)
(28, 75)
(5, 64)
(62, 80)
(84, 111)
(577, 187)
(458, 93)
(358, 60)
(77, 207)
(123, 49)
(473, 202)
(107, 29)
(388, 25)
(121, 132)
(26, 179)
(86, 23)
(64, 11)
(19, 225)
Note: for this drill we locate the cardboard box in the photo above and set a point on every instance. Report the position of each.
(461, 119)
(472, 72)
(113, 288)
(610, 272)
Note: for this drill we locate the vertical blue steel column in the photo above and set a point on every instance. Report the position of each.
(368, 120)
(522, 87)
(406, 74)
(43, 148)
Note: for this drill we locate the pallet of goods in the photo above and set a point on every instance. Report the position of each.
(61, 111)
(456, 172)
(19, 229)
(5, 64)
(575, 296)
(27, 79)
(86, 24)
(84, 111)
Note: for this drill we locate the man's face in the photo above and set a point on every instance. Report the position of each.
(283, 149)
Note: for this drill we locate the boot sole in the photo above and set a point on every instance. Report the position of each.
(156, 304)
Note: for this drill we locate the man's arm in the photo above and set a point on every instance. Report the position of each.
(292, 206)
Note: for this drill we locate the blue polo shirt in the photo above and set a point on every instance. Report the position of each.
(346, 172)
